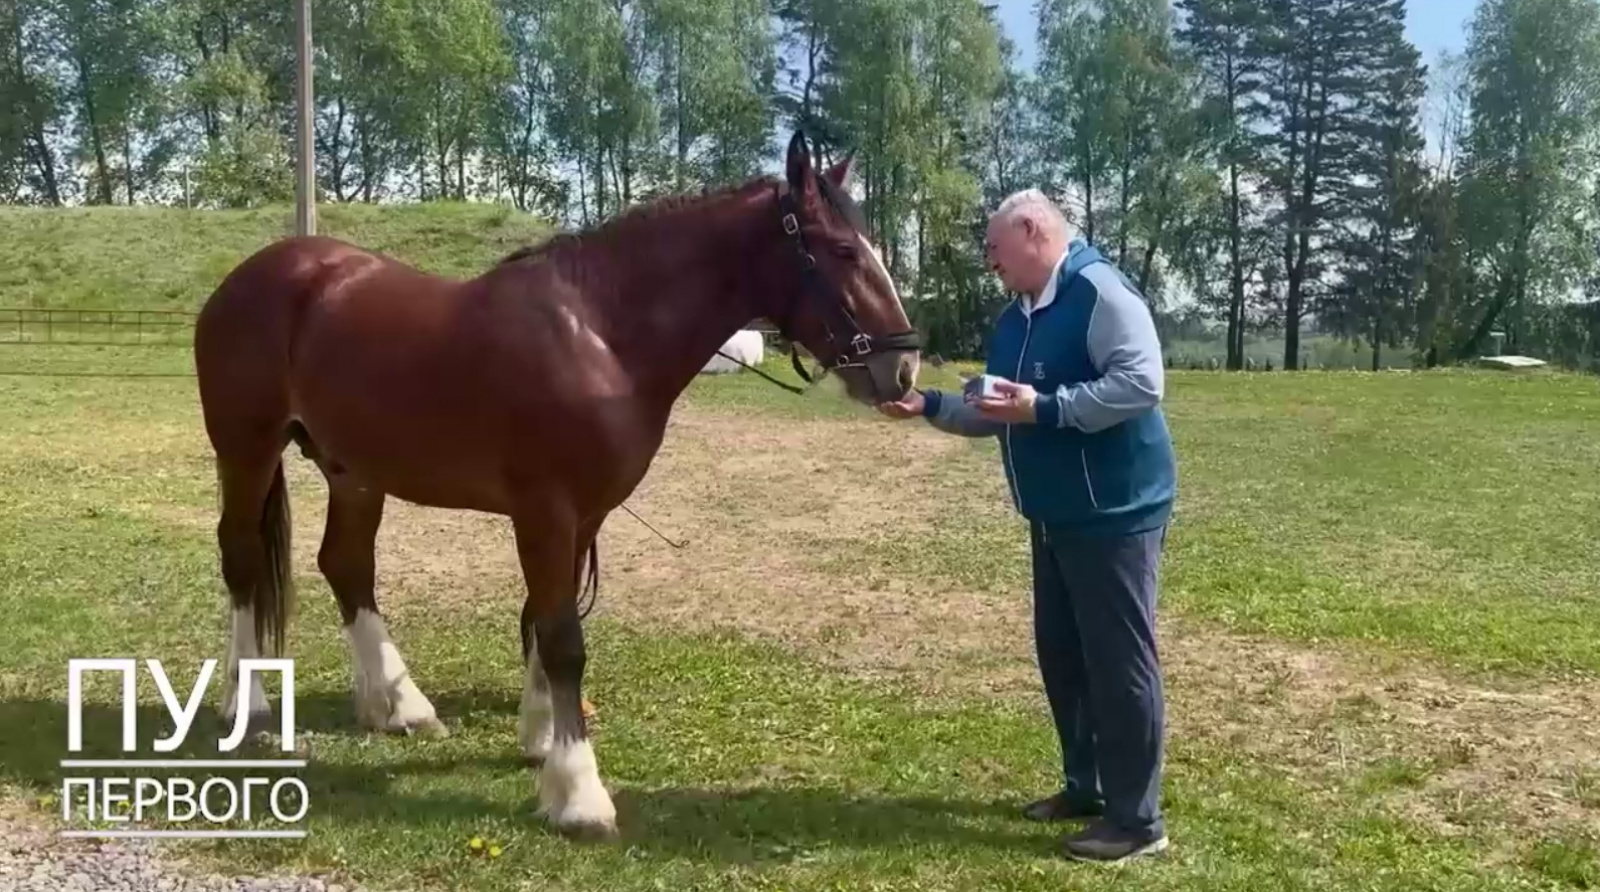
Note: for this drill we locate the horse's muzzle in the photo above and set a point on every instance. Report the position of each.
(890, 376)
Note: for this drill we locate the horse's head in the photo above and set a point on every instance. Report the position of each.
(844, 308)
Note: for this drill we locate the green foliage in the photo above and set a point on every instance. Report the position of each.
(1533, 69)
(1257, 165)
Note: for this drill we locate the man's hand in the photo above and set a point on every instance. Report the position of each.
(1013, 403)
(908, 407)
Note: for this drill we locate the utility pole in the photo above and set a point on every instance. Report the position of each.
(305, 190)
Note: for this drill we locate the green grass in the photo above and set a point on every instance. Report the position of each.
(742, 766)
(1447, 517)
(171, 258)
(1448, 514)
(736, 765)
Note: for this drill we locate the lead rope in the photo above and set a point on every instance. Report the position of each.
(798, 391)
(592, 584)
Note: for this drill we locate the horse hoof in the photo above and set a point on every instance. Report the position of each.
(259, 728)
(429, 728)
(590, 831)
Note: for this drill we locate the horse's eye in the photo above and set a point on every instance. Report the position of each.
(845, 251)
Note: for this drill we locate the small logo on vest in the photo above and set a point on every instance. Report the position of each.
(1038, 371)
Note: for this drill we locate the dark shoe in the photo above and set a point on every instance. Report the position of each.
(1060, 807)
(1102, 842)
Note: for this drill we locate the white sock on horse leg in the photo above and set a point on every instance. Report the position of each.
(570, 791)
(386, 697)
(242, 646)
(536, 724)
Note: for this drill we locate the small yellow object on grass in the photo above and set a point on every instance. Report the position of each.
(478, 846)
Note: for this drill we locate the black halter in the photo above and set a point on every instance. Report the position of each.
(850, 344)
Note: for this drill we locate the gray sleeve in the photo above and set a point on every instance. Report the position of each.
(950, 413)
(1124, 348)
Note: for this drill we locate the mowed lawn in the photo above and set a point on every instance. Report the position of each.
(1441, 523)
(1381, 621)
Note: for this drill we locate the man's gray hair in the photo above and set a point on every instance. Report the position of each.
(1033, 204)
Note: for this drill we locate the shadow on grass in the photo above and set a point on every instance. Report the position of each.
(771, 823)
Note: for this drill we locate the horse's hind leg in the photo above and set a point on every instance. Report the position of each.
(253, 537)
(571, 795)
(386, 697)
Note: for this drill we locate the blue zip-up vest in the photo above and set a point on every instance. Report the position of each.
(1117, 481)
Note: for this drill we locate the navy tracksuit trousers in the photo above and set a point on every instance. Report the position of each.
(1094, 603)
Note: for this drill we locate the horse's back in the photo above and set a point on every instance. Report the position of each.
(426, 386)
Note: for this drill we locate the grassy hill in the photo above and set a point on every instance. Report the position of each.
(117, 258)
(171, 258)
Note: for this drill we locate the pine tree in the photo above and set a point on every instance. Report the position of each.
(1217, 33)
(1378, 205)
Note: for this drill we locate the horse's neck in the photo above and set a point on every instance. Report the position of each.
(677, 304)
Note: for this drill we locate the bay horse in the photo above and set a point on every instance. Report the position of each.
(539, 390)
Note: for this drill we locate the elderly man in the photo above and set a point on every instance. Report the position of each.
(1090, 465)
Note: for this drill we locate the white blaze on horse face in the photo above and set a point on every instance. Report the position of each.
(877, 260)
(242, 646)
(386, 697)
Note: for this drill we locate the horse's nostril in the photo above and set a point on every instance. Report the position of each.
(906, 379)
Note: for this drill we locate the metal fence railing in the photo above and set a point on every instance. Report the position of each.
(78, 326)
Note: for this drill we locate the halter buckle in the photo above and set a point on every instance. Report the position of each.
(791, 225)
(862, 343)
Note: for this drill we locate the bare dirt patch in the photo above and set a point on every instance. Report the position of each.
(1461, 758)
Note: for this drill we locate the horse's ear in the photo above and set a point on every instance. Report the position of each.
(840, 172)
(799, 163)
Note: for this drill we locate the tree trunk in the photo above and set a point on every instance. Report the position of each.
(683, 131)
(35, 145)
(92, 125)
(127, 161)
(368, 175)
(1235, 227)
(1127, 202)
(1377, 335)
(336, 152)
(461, 166)
(1088, 189)
(1235, 273)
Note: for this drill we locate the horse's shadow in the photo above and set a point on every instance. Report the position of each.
(734, 826)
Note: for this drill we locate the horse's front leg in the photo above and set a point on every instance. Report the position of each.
(555, 733)
(536, 719)
(386, 696)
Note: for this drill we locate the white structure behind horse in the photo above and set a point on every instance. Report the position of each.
(747, 346)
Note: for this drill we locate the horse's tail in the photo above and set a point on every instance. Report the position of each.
(273, 598)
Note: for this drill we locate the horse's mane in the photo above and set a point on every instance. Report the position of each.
(608, 231)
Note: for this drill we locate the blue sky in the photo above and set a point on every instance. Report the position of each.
(1430, 24)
